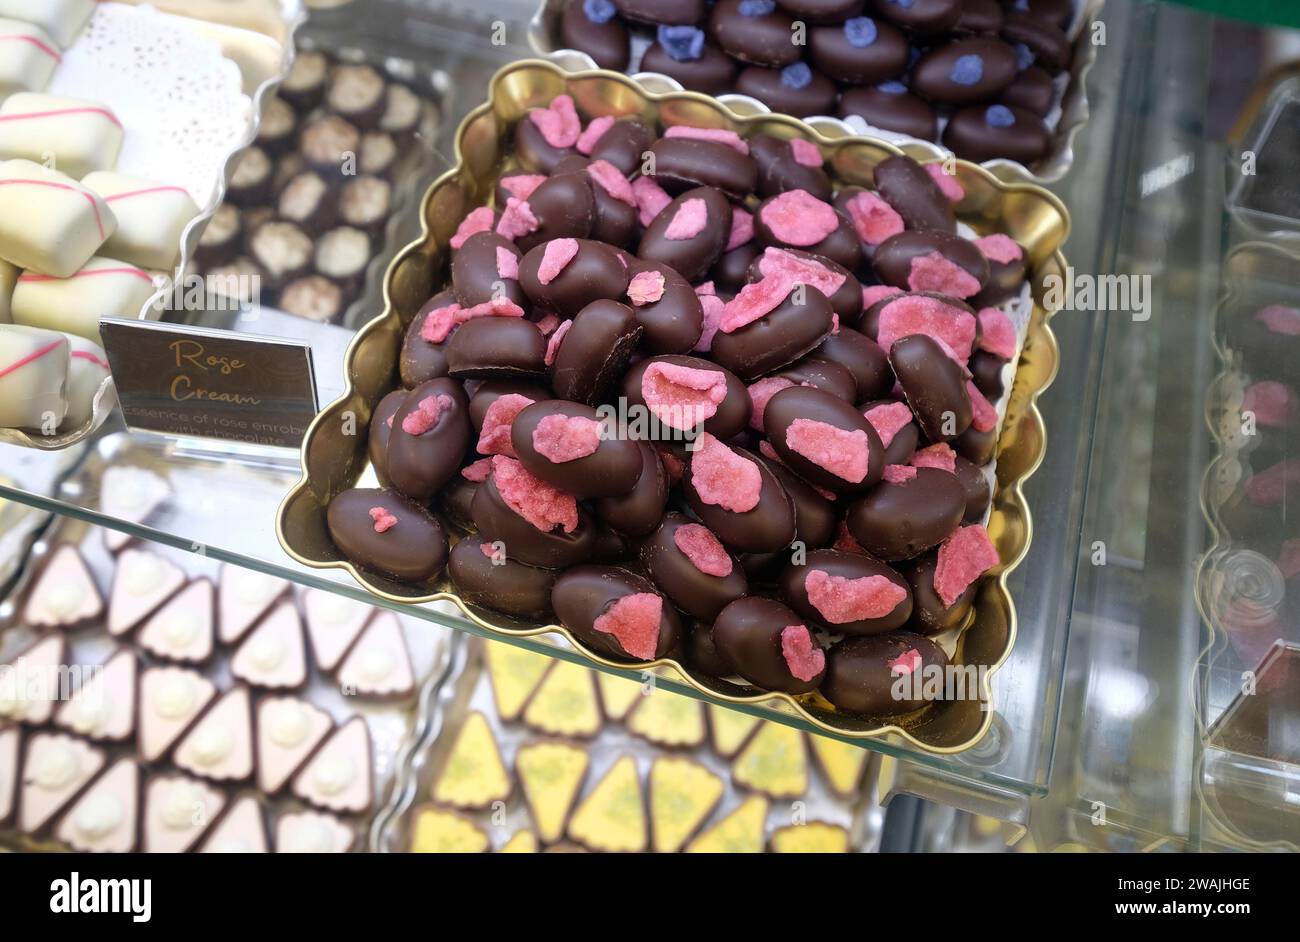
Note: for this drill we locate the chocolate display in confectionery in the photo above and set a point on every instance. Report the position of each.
(982, 78)
(774, 469)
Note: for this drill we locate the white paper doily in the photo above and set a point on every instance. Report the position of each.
(179, 99)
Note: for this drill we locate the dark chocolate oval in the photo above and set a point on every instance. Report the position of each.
(1047, 43)
(862, 357)
(905, 185)
(779, 170)
(859, 51)
(1060, 13)
(422, 457)
(815, 517)
(565, 208)
(731, 273)
(491, 390)
(702, 654)
(381, 429)
(964, 71)
(916, 261)
(976, 446)
(616, 222)
(846, 300)
(986, 373)
(900, 521)
(979, 17)
(496, 347)
(795, 89)
(978, 491)
(532, 151)
(384, 532)
(697, 593)
(824, 439)
(673, 321)
(712, 71)
(892, 107)
(691, 256)
(593, 273)
(663, 11)
(754, 31)
(841, 245)
(1005, 278)
(769, 646)
(822, 11)
(986, 132)
(624, 145)
(685, 163)
(847, 593)
(476, 271)
(729, 420)
(882, 675)
(921, 16)
(934, 386)
(903, 440)
(455, 499)
(591, 27)
(796, 326)
(595, 351)
(553, 549)
(586, 594)
(422, 360)
(821, 374)
(490, 579)
(766, 527)
(639, 511)
(929, 615)
(547, 445)
(1032, 90)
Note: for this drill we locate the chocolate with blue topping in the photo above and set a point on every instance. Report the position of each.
(822, 11)
(965, 71)
(892, 107)
(754, 31)
(985, 132)
(800, 93)
(670, 12)
(921, 16)
(712, 73)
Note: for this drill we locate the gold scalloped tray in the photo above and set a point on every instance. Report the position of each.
(334, 450)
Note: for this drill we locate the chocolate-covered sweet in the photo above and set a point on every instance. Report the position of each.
(871, 676)
(308, 201)
(894, 423)
(594, 351)
(564, 206)
(822, 11)
(485, 267)
(381, 427)
(532, 150)
(902, 519)
(738, 498)
(702, 654)
(892, 107)
(496, 347)
(905, 185)
(964, 71)
(846, 300)
(567, 445)
(384, 532)
(768, 645)
(314, 297)
(684, 163)
(847, 593)
(985, 132)
(357, 92)
(798, 324)
(1008, 266)
(986, 373)
(930, 260)
(666, 307)
(731, 273)
(690, 566)
(422, 360)
(327, 142)
(921, 16)
(929, 615)
(282, 250)
(786, 165)
(576, 272)
(934, 386)
(663, 11)
(683, 53)
(976, 446)
(979, 17)
(859, 51)
(489, 578)
(754, 31)
(1031, 89)
(954, 317)
(456, 499)
(1060, 13)
(690, 233)
(862, 357)
(624, 144)
(639, 511)
(798, 220)
(616, 219)
(342, 255)
(976, 485)
(815, 517)
(429, 435)
(683, 393)
(1048, 44)
(489, 391)
(304, 86)
(795, 89)
(570, 534)
(616, 612)
(593, 27)
(821, 374)
(824, 440)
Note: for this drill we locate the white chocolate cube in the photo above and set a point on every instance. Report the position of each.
(8, 277)
(27, 57)
(62, 19)
(86, 373)
(80, 136)
(106, 287)
(33, 378)
(49, 223)
(150, 218)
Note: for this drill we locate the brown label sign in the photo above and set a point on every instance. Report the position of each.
(192, 381)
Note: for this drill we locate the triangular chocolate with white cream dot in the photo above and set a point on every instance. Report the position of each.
(103, 708)
(339, 776)
(243, 597)
(184, 629)
(142, 582)
(288, 729)
(333, 623)
(241, 830)
(220, 745)
(103, 819)
(177, 811)
(64, 594)
(30, 687)
(55, 767)
(274, 655)
(379, 664)
(171, 699)
(131, 494)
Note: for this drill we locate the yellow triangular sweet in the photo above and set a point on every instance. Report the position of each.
(565, 704)
(841, 762)
(773, 762)
(515, 673)
(740, 832)
(729, 729)
(683, 794)
(438, 831)
(669, 719)
(522, 842)
(612, 817)
(474, 775)
(551, 775)
(815, 837)
(617, 695)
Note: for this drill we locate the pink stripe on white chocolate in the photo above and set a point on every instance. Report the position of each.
(131, 194)
(30, 358)
(32, 40)
(87, 272)
(62, 111)
(89, 358)
(94, 205)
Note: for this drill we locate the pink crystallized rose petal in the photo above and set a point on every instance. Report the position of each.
(646, 287)
(1288, 559)
(985, 417)
(963, 558)
(496, 307)
(759, 394)
(804, 659)
(754, 301)
(488, 550)
(997, 333)
(939, 455)
(713, 307)
(384, 521)
(480, 220)
(494, 437)
(949, 325)
(742, 228)
(593, 132)
(553, 343)
(517, 219)
(1272, 403)
(541, 504)
(947, 182)
(548, 323)
(716, 135)
(682, 396)
(1280, 319)
(888, 419)
(703, 549)
(1000, 248)
(426, 414)
(521, 185)
(874, 294)
(841, 600)
(805, 153)
(563, 438)
(633, 620)
(909, 662)
(844, 453)
(611, 180)
(873, 219)
(477, 471)
(651, 199)
(688, 222)
(723, 478)
(507, 263)
(798, 218)
(555, 258)
(796, 270)
(898, 474)
(439, 322)
(559, 123)
(936, 272)
(1271, 486)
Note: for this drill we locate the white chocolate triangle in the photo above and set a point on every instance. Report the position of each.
(104, 707)
(177, 810)
(103, 819)
(65, 592)
(243, 596)
(274, 655)
(220, 745)
(184, 628)
(29, 684)
(143, 581)
(10, 743)
(310, 832)
(288, 729)
(333, 623)
(241, 830)
(170, 700)
(338, 776)
(379, 664)
(55, 768)
(129, 493)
